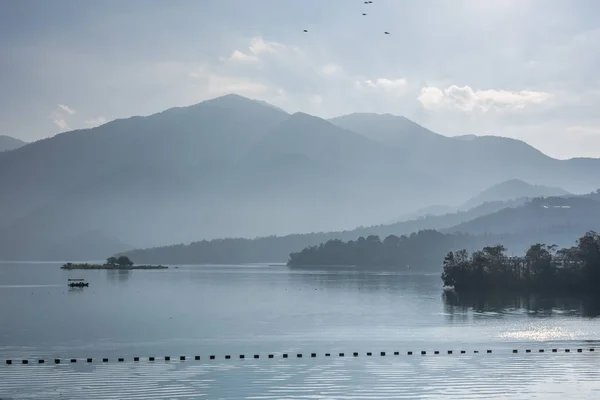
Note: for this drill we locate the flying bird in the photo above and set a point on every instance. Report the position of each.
(305, 30)
(364, 14)
(387, 33)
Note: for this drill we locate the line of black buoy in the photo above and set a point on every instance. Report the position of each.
(286, 355)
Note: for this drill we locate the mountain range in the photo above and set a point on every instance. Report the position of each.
(236, 167)
(513, 191)
(516, 224)
(8, 143)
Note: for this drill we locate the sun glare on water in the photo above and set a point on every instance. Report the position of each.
(541, 333)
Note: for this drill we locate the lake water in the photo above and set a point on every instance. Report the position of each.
(260, 310)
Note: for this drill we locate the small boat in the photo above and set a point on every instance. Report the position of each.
(78, 283)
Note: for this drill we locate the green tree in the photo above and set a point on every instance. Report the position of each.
(124, 261)
(540, 264)
(589, 252)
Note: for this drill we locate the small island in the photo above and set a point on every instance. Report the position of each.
(121, 263)
(543, 269)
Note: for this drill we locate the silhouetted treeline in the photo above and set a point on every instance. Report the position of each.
(429, 248)
(227, 251)
(543, 268)
(418, 250)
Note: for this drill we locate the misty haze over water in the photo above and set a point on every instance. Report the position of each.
(295, 178)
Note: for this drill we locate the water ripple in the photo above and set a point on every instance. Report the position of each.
(520, 376)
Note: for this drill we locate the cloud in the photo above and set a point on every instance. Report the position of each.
(431, 97)
(465, 99)
(62, 124)
(259, 46)
(95, 121)
(59, 115)
(66, 109)
(240, 56)
(383, 84)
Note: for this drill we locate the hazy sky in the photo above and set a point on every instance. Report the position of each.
(518, 68)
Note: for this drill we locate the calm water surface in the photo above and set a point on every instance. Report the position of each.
(204, 310)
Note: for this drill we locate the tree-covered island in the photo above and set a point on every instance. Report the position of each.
(543, 268)
(122, 262)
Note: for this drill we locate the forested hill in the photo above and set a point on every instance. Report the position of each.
(421, 251)
(278, 248)
(568, 213)
(511, 223)
(275, 249)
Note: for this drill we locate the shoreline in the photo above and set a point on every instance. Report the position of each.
(108, 267)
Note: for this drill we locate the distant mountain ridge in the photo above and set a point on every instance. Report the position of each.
(511, 190)
(540, 214)
(514, 191)
(233, 166)
(515, 224)
(8, 143)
